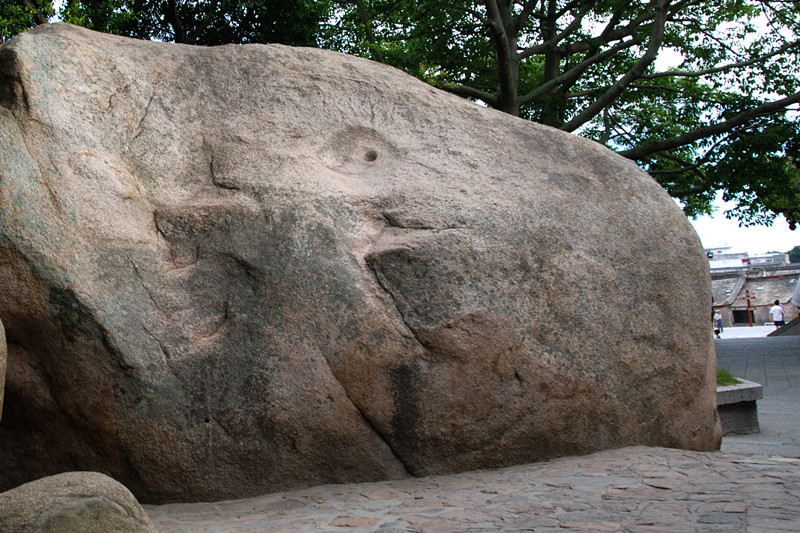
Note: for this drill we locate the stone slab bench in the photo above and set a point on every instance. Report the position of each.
(737, 408)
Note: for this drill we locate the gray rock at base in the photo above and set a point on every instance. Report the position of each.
(243, 269)
(74, 502)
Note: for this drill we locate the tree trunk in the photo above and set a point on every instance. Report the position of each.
(171, 15)
(553, 103)
(38, 17)
(504, 34)
(377, 55)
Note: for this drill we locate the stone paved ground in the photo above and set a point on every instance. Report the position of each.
(752, 485)
(774, 362)
(631, 489)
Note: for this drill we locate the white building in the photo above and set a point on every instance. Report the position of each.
(722, 259)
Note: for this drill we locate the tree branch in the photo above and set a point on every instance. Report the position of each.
(523, 16)
(576, 71)
(690, 192)
(171, 15)
(550, 43)
(644, 150)
(569, 7)
(608, 35)
(470, 92)
(598, 90)
(38, 16)
(687, 166)
(650, 55)
(731, 66)
(497, 26)
(210, 12)
(373, 44)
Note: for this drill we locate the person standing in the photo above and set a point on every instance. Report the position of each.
(777, 314)
(717, 324)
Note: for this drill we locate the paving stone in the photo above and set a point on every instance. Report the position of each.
(664, 483)
(591, 526)
(354, 521)
(751, 495)
(758, 529)
(720, 518)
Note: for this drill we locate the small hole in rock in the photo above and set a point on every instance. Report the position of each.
(371, 155)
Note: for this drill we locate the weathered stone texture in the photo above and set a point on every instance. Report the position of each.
(242, 269)
(3, 360)
(74, 502)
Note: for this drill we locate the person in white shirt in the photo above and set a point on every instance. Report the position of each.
(777, 314)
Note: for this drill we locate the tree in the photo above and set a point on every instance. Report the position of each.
(722, 117)
(794, 255)
(201, 22)
(18, 16)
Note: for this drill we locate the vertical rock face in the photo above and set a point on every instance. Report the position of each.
(3, 360)
(241, 269)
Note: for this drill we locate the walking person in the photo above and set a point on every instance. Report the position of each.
(777, 314)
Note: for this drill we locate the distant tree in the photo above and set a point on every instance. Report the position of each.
(721, 117)
(794, 255)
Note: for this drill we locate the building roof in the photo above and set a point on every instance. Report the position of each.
(765, 285)
(766, 291)
(725, 290)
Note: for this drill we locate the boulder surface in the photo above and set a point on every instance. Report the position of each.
(3, 362)
(242, 269)
(73, 502)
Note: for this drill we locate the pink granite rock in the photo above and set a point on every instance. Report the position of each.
(242, 269)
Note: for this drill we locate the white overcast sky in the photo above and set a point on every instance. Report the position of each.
(715, 231)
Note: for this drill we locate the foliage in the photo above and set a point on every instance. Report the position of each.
(725, 378)
(722, 116)
(794, 255)
(18, 16)
(202, 22)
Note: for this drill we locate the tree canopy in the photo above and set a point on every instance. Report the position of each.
(702, 95)
(18, 16)
(794, 255)
(200, 22)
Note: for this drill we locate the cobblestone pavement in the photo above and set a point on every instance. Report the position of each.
(752, 485)
(632, 489)
(774, 362)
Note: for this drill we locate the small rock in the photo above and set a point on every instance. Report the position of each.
(74, 502)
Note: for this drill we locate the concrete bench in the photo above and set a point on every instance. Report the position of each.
(736, 405)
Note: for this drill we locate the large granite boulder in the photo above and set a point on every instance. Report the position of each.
(73, 502)
(234, 270)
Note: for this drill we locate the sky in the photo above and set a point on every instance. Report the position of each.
(717, 231)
